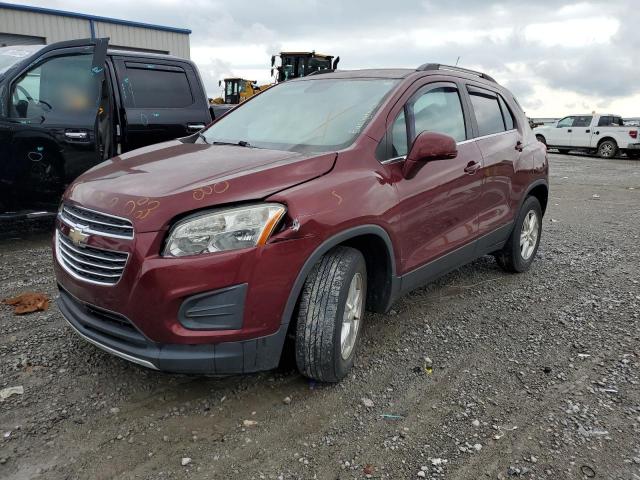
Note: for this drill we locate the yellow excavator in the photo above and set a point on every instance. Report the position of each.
(292, 65)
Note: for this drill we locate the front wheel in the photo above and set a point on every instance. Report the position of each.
(518, 253)
(330, 315)
(607, 149)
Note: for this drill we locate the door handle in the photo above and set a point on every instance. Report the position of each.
(569, 130)
(195, 127)
(519, 146)
(472, 167)
(587, 130)
(75, 135)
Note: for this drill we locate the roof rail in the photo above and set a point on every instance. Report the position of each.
(438, 66)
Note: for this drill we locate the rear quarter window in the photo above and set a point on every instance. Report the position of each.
(156, 86)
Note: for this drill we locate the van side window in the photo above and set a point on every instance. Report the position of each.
(439, 110)
(488, 113)
(156, 86)
(64, 84)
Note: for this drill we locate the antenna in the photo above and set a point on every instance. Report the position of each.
(457, 60)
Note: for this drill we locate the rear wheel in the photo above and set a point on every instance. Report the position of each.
(607, 149)
(330, 315)
(518, 253)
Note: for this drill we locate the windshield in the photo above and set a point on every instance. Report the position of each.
(316, 115)
(9, 56)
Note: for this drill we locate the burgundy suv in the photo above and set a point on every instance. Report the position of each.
(307, 204)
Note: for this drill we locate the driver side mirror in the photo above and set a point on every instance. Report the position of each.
(428, 147)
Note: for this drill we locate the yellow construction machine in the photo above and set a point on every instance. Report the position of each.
(237, 90)
(301, 64)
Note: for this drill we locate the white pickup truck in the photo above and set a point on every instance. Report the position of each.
(603, 134)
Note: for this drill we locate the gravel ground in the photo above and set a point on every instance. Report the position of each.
(479, 375)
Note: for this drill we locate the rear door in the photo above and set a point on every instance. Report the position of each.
(53, 103)
(162, 99)
(500, 143)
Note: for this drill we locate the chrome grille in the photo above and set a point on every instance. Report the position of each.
(96, 223)
(91, 264)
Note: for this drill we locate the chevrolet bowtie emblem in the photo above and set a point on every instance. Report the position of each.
(78, 237)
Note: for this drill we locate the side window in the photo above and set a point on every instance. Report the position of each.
(156, 86)
(582, 121)
(488, 113)
(604, 121)
(617, 121)
(64, 84)
(565, 122)
(439, 110)
(399, 144)
(507, 114)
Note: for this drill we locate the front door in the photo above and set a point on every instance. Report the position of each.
(51, 119)
(561, 135)
(581, 131)
(437, 210)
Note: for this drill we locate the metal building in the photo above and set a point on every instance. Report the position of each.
(22, 25)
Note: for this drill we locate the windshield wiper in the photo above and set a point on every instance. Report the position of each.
(240, 143)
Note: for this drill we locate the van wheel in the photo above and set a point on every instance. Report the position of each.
(330, 315)
(607, 149)
(518, 253)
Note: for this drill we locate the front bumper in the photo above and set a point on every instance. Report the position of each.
(117, 335)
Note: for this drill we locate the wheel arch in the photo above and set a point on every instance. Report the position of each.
(374, 243)
(604, 139)
(540, 190)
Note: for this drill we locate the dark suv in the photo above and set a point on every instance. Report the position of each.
(288, 217)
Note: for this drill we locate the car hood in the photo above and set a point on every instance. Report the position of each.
(152, 185)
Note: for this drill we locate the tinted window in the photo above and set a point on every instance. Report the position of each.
(64, 84)
(154, 88)
(314, 114)
(610, 121)
(439, 110)
(617, 121)
(507, 114)
(399, 143)
(565, 122)
(582, 121)
(488, 114)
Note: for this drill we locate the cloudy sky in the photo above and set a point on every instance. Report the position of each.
(557, 57)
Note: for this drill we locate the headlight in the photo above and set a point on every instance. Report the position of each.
(221, 230)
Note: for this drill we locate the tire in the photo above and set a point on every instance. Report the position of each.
(321, 311)
(541, 139)
(607, 149)
(514, 257)
(563, 151)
